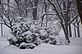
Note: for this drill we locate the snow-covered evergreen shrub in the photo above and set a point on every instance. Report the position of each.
(43, 34)
(52, 40)
(28, 35)
(25, 33)
(31, 46)
(24, 45)
(12, 41)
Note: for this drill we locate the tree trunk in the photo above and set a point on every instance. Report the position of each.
(46, 10)
(35, 3)
(78, 31)
(66, 20)
(0, 2)
(79, 5)
(65, 29)
(75, 30)
(70, 33)
(1, 30)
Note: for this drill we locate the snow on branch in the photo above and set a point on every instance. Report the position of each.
(58, 14)
(46, 14)
(73, 18)
(34, 7)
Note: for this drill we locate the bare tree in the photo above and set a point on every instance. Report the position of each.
(79, 5)
(7, 14)
(63, 14)
(35, 3)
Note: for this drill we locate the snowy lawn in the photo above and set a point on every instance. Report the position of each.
(75, 47)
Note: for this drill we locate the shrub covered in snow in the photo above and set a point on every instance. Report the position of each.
(24, 45)
(28, 35)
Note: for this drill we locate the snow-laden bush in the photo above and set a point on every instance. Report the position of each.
(25, 33)
(24, 45)
(43, 34)
(12, 40)
(28, 35)
(52, 40)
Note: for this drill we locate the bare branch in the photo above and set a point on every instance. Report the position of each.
(56, 10)
(73, 18)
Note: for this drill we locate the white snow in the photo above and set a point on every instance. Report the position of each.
(44, 50)
(75, 47)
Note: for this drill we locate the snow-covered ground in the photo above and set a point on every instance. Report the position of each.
(75, 47)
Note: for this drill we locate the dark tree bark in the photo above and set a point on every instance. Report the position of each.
(66, 19)
(78, 30)
(17, 1)
(68, 11)
(79, 5)
(1, 30)
(75, 30)
(46, 11)
(35, 3)
(0, 2)
(26, 7)
(70, 32)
